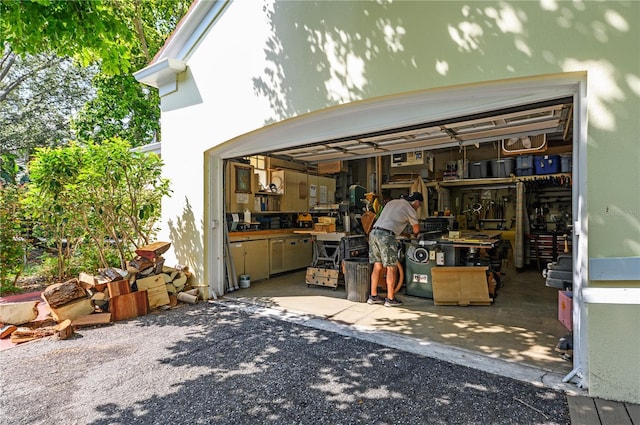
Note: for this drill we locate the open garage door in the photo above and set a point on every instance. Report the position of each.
(509, 114)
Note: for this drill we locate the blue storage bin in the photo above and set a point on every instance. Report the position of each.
(547, 164)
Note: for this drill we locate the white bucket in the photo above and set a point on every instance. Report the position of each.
(245, 281)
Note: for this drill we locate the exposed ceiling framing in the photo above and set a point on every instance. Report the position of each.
(552, 118)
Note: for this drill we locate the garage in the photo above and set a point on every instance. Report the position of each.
(333, 72)
(293, 212)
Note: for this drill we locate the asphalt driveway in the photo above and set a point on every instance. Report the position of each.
(218, 363)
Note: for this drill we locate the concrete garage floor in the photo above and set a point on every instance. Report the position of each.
(521, 326)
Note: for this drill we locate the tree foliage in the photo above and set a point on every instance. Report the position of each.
(122, 108)
(38, 96)
(89, 31)
(103, 195)
(118, 36)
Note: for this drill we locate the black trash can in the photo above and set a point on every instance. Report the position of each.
(357, 278)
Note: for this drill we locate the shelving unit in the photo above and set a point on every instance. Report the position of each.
(475, 182)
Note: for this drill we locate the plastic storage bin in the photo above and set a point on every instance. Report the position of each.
(566, 162)
(502, 167)
(547, 164)
(524, 165)
(524, 161)
(478, 169)
(357, 278)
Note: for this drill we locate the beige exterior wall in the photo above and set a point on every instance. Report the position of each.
(301, 57)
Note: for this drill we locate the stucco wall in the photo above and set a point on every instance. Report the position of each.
(262, 65)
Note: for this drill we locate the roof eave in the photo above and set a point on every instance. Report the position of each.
(162, 75)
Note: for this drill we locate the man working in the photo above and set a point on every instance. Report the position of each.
(383, 249)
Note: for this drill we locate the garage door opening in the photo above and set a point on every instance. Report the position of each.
(506, 172)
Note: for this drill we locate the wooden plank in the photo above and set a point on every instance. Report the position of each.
(582, 410)
(72, 310)
(18, 313)
(153, 250)
(7, 330)
(612, 412)
(634, 412)
(460, 286)
(95, 319)
(156, 290)
(119, 287)
(129, 306)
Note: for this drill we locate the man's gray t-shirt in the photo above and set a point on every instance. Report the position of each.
(396, 215)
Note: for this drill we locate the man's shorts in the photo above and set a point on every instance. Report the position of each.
(383, 248)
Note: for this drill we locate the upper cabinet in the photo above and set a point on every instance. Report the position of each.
(301, 191)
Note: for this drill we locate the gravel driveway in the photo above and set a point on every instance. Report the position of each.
(212, 363)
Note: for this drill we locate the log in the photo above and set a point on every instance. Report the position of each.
(140, 263)
(99, 296)
(18, 313)
(129, 306)
(65, 330)
(114, 274)
(59, 294)
(95, 319)
(180, 281)
(153, 250)
(158, 267)
(101, 283)
(72, 310)
(156, 290)
(86, 280)
(119, 287)
(7, 330)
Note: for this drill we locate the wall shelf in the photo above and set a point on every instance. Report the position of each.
(475, 182)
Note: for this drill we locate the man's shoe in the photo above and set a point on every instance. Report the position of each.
(392, 302)
(374, 299)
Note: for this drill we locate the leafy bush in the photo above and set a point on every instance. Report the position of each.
(82, 196)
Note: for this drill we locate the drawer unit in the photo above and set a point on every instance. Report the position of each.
(545, 247)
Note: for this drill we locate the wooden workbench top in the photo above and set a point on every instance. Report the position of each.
(265, 234)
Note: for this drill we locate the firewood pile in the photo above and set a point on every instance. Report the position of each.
(110, 296)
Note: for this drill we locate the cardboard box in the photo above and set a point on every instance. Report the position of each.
(329, 167)
(324, 227)
(565, 309)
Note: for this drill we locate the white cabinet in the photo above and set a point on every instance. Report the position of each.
(251, 258)
(294, 188)
(298, 253)
(301, 191)
(289, 253)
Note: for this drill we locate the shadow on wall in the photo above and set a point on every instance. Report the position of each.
(186, 238)
(360, 50)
